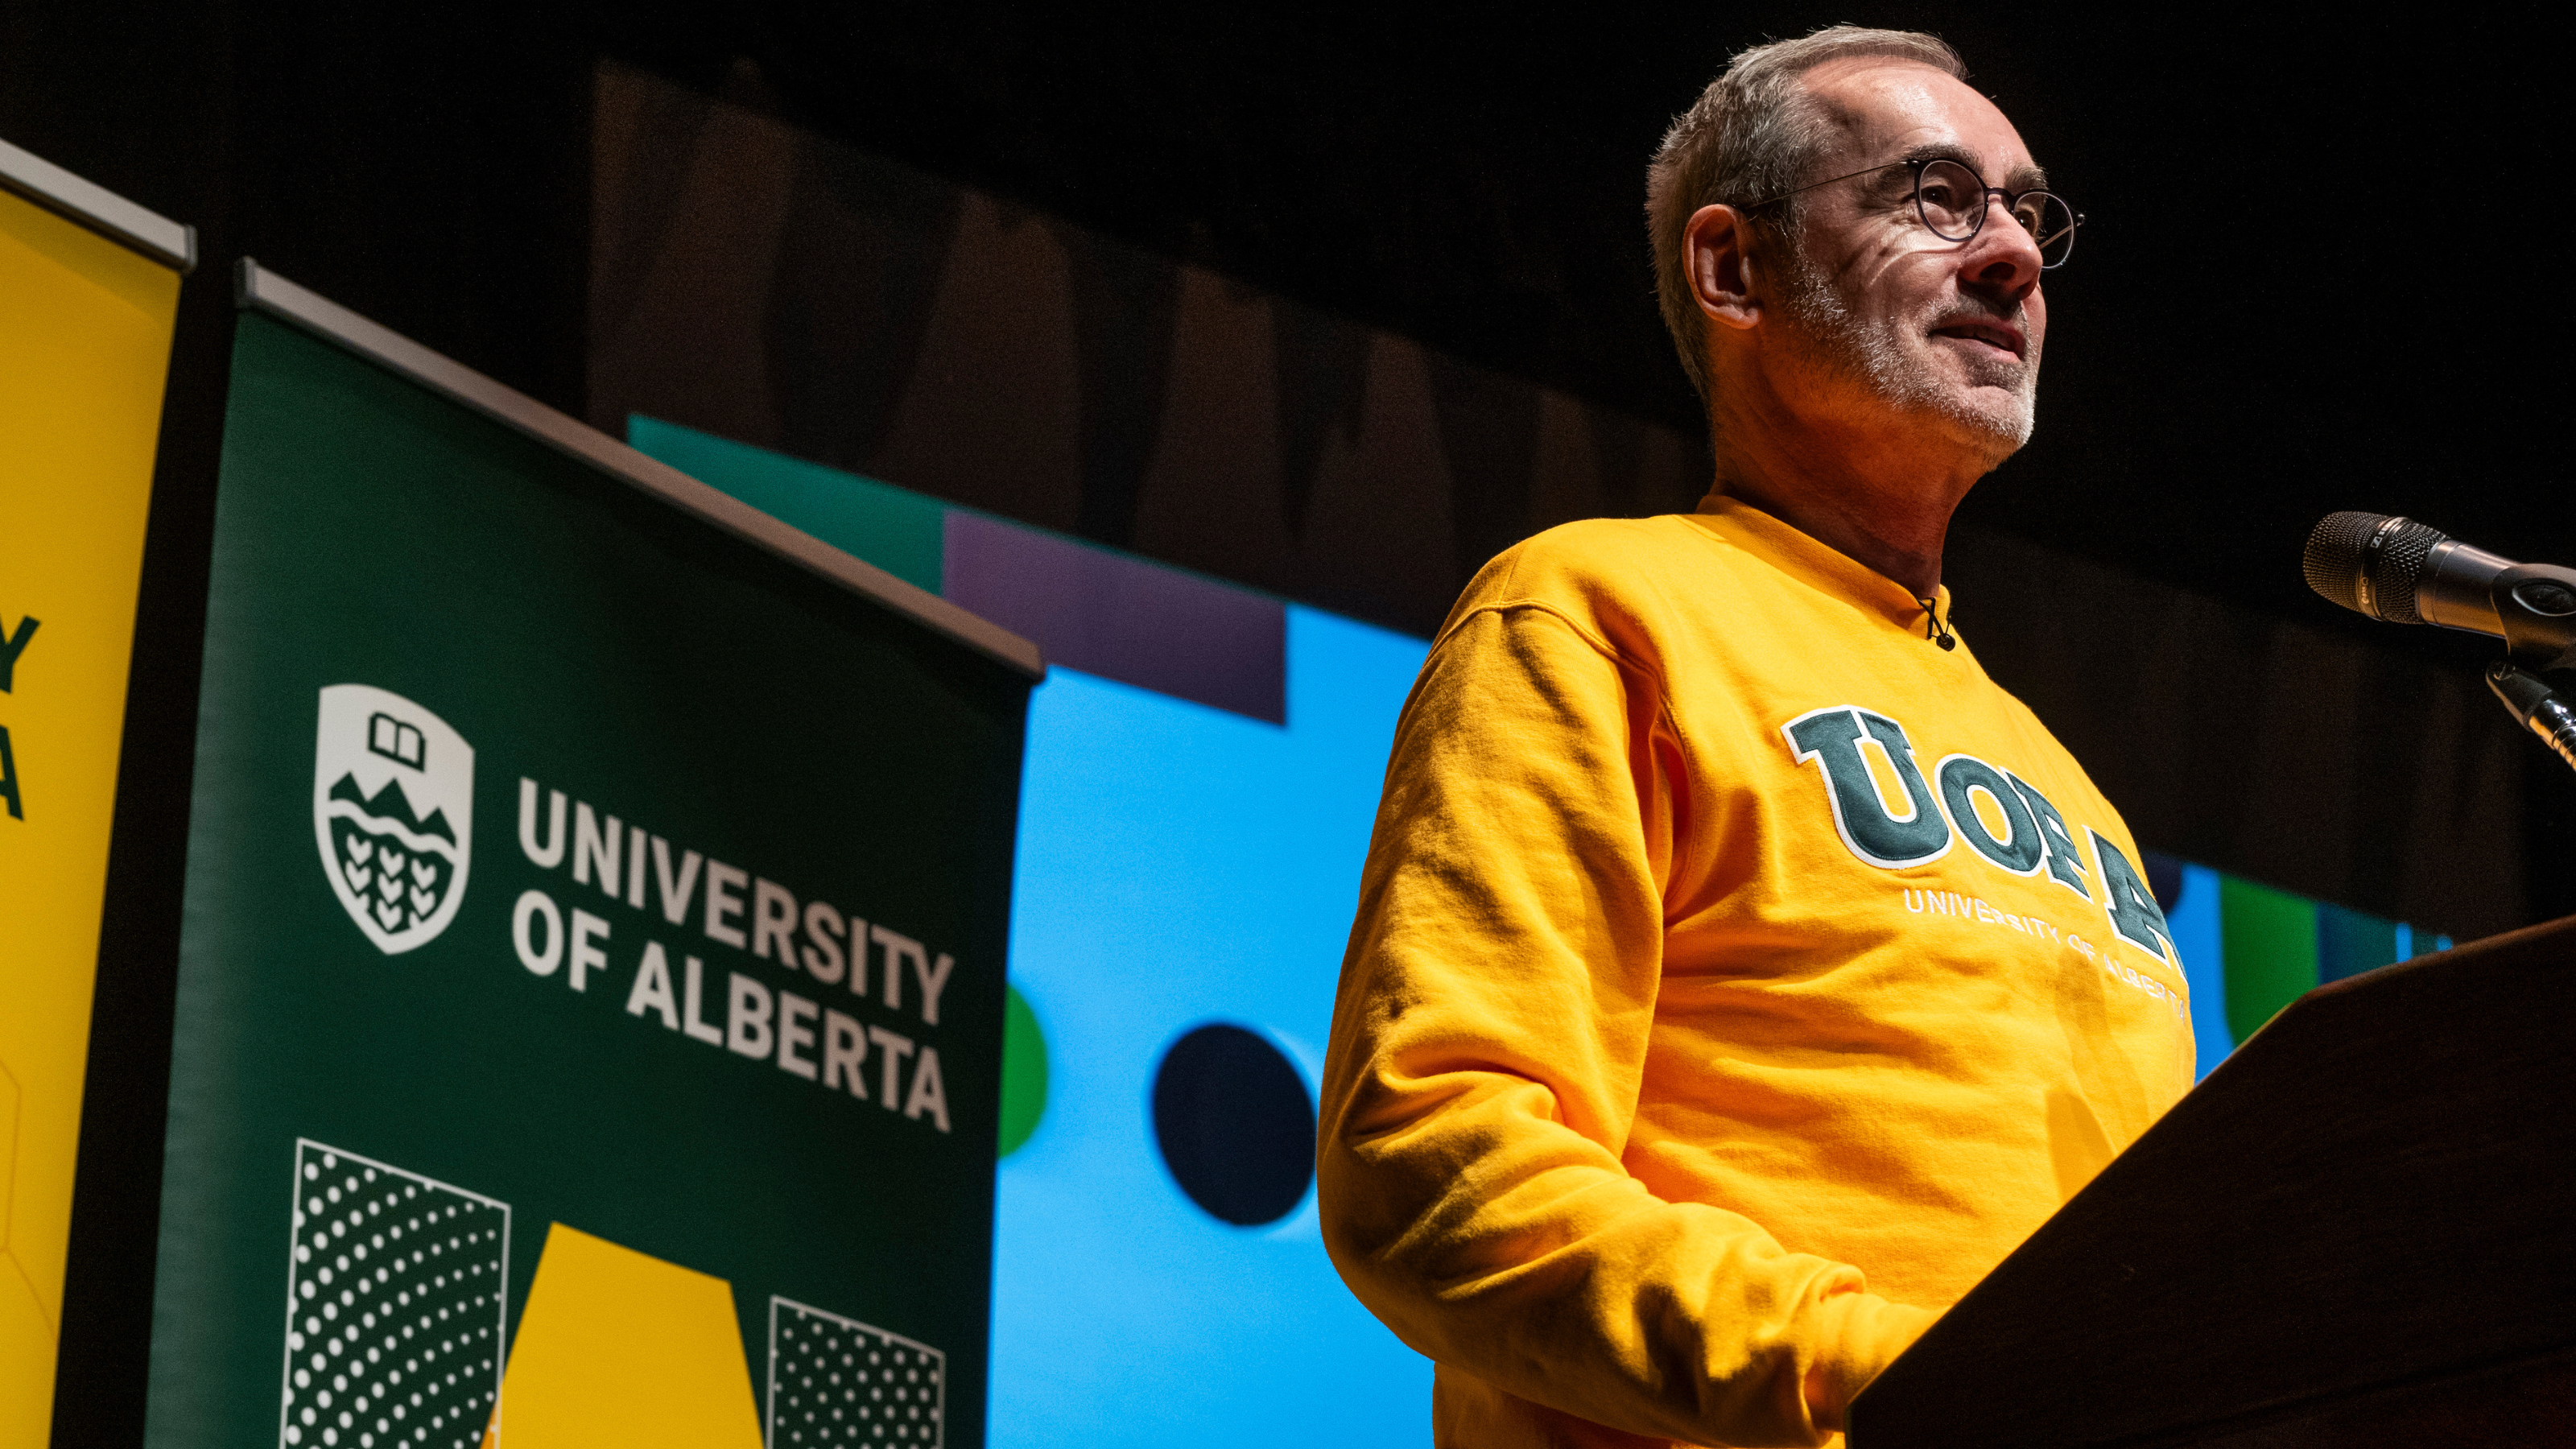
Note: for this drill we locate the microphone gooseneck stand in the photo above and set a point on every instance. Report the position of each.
(2536, 706)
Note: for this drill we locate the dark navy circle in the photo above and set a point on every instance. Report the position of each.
(1235, 1125)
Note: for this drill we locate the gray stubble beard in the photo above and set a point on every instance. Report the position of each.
(1872, 354)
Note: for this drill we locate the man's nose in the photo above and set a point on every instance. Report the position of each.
(2002, 259)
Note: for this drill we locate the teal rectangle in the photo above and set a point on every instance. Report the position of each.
(2351, 942)
(894, 528)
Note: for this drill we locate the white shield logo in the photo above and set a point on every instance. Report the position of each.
(393, 811)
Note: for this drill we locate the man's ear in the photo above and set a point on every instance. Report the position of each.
(1717, 248)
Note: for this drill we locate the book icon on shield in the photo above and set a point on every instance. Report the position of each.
(393, 813)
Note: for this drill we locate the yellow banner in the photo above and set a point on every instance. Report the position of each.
(85, 330)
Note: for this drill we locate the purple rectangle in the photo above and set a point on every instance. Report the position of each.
(1122, 618)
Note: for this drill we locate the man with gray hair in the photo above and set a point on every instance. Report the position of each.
(1739, 973)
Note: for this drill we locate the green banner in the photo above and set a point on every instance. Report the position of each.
(591, 989)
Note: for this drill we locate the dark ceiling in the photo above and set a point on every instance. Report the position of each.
(2320, 270)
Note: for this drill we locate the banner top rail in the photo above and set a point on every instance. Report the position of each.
(99, 209)
(258, 289)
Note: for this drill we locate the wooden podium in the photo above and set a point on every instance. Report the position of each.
(2359, 1231)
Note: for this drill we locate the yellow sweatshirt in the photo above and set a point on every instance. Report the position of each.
(1738, 976)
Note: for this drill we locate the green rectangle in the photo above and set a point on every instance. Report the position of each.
(400, 586)
(2271, 951)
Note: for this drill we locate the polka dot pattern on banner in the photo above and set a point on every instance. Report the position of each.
(835, 1380)
(394, 1301)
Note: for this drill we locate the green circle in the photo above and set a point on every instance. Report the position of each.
(1024, 1072)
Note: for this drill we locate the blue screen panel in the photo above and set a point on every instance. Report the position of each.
(1181, 865)
(2199, 941)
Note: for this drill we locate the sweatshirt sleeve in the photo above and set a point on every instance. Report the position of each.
(1488, 1043)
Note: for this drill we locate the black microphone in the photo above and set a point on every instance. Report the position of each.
(2405, 572)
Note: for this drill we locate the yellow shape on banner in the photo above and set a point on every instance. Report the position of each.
(616, 1347)
(85, 330)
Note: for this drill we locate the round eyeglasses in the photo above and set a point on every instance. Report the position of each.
(1953, 201)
